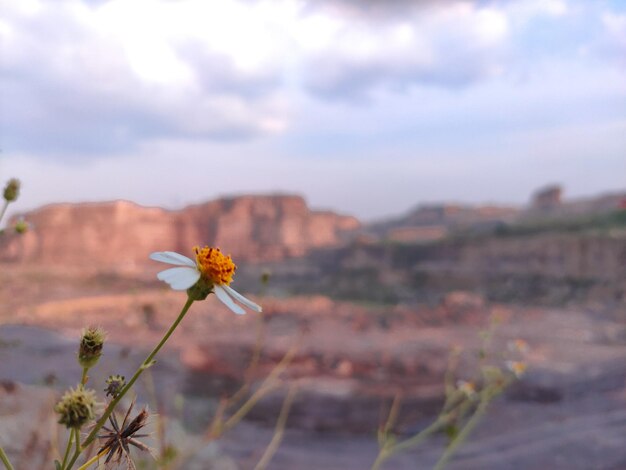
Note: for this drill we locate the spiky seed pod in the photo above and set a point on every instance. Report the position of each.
(12, 190)
(115, 384)
(76, 407)
(120, 438)
(90, 349)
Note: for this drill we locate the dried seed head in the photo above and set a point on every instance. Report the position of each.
(12, 190)
(119, 438)
(115, 384)
(90, 349)
(76, 407)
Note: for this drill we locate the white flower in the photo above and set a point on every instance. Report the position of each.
(467, 388)
(517, 367)
(518, 346)
(213, 266)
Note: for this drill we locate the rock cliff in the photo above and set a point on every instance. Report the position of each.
(546, 268)
(122, 234)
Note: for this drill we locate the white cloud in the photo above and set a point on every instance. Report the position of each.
(616, 26)
(449, 45)
(525, 10)
(121, 72)
(105, 77)
(615, 35)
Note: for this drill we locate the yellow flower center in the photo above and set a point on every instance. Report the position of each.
(214, 266)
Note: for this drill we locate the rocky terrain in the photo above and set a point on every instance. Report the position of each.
(349, 363)
(428, 222)
(548, 268)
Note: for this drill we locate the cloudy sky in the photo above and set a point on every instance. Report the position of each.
(366, 107)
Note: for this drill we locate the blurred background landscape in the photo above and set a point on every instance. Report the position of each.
(389, 178)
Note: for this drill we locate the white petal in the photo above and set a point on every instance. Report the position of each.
(241, 299)
(171, 257)
(226, 300)
(180, 278)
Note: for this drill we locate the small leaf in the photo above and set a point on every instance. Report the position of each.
(148, 365)
(57, 465)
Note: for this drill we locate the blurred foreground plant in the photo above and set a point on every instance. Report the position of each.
(212, 272)
(466, 401)
(232, 409)
(9, 195)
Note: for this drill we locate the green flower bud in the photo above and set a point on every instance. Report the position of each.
(115, 384)
(76, 407)
(21, 226)
(90, 348)
(12, 190)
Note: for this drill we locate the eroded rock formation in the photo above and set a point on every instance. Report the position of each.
(121, 233)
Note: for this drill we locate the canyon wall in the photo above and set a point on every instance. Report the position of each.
(123, 234)
(549, 268)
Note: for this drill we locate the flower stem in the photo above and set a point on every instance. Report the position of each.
(4, 209)
(268, 385)
(77, 440)
(84, 378)
(67, 449)
(144, 365)
(5, 460)
(487, 396)
(388, 450)
(383, 454)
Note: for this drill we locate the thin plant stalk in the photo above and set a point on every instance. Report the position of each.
(465, 432)
(4, 209)
(5, 460)
(68, 448)
(389, 447)
(269, 384)
(247, 406)
(279, 431)
(459, 409)
(388, 450)
(486, 398)
(148, 362)
(3, 456)
(419, 438)
(391, 418)
(84, 378)
(77, 439)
